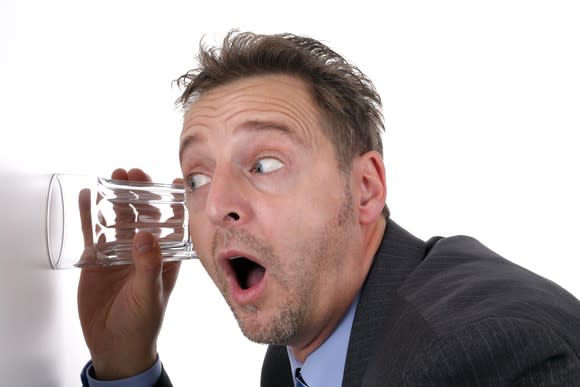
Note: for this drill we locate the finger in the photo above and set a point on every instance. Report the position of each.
(125, 216)
(88, 255)
(136, 174)
(103, 245)
(148, 265)
(124, 221)
(170, 273)
(148, 213)
(119, 174)
(86, 218)
(178, 209)
(148, 219)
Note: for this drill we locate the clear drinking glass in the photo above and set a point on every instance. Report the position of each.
(91, 221)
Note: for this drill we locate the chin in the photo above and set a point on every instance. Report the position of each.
(252, 324)
(277, 329)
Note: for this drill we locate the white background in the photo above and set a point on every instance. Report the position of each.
(482, 109)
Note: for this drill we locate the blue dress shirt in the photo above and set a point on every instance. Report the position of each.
(145, 379)
(325, 366)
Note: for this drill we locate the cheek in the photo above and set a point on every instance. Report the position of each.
(290, 222)
(314, 203)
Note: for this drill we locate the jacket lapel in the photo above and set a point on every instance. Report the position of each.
(398, 255)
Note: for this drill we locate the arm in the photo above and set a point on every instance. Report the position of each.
(153, 377)
(497, 351)
(121, 308)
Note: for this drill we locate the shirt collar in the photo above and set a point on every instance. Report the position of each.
(325, 366)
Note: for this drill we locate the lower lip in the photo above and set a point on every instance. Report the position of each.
(248, 296)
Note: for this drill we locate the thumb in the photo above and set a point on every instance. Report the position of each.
(148, 265)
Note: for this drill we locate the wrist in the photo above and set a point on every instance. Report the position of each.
(121, 368)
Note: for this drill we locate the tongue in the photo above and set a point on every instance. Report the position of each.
(254, 276)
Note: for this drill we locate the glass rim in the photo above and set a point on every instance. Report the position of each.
(54, 179)
(142, 183)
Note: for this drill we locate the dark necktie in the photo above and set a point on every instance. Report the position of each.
(299, 380)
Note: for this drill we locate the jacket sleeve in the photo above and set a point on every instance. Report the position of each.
(163, 380)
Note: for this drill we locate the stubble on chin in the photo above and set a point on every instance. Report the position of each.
(278, 329)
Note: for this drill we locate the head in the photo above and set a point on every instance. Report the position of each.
(350, 106)
(281, 153)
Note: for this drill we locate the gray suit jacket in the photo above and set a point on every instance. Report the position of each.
(450, 312)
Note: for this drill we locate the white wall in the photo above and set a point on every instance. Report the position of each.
(482, 112)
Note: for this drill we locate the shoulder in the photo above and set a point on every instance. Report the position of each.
(496, 351)
(487, 318)
(461, 281)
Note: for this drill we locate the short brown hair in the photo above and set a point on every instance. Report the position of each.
(347, 99)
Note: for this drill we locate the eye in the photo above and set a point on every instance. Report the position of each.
(197, 180)
(267, 165)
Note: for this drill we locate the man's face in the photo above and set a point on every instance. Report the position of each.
(270, 213)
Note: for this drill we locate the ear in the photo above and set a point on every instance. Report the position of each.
(371, 186)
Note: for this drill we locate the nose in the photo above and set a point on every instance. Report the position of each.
(227, 202)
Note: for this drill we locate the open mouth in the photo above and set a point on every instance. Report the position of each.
(248, 273)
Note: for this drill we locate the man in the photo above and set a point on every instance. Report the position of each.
(281, 159)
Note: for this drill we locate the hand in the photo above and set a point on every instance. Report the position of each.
(121, 308)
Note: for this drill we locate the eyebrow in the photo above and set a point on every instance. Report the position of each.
(264, 125)
(253, 125)
(186, 143)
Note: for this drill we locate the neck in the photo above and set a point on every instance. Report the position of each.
(372, 237)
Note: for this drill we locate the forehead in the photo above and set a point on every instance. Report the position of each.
(267, 85)
(282, 100)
